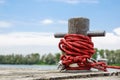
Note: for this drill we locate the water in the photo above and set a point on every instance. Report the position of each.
(41, 67)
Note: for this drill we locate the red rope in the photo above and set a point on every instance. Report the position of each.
(79, 49)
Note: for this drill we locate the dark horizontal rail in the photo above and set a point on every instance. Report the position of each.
(89, 33)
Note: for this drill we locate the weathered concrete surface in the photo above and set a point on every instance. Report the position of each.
(99, 78)
(36, 74)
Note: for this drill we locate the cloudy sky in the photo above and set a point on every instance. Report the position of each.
(28, 26)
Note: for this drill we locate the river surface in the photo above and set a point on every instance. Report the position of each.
(41, 67)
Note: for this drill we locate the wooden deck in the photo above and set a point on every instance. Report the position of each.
(36, 74)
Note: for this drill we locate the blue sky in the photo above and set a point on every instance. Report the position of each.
(33, 22)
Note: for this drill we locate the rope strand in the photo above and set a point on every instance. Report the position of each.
(79, 49)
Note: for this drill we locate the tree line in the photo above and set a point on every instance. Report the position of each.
(113, 57)
(34, 58)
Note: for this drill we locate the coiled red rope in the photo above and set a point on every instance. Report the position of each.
(79, 49)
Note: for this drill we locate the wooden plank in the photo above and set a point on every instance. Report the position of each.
(36, 74)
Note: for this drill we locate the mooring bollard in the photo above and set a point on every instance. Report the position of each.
(80, 26)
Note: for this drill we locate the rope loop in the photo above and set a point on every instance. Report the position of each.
(78, 50)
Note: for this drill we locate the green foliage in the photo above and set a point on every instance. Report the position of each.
(33, 58)
(101, 53)
(57, 55)
(115, 64)
(50, 59)
(113, 57)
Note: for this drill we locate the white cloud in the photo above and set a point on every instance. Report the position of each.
(110, 41)
(47, 21)
(78, 1)
(50, 21)
(5, 24)
(27, 38)
(28, 42)
(117, 31)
